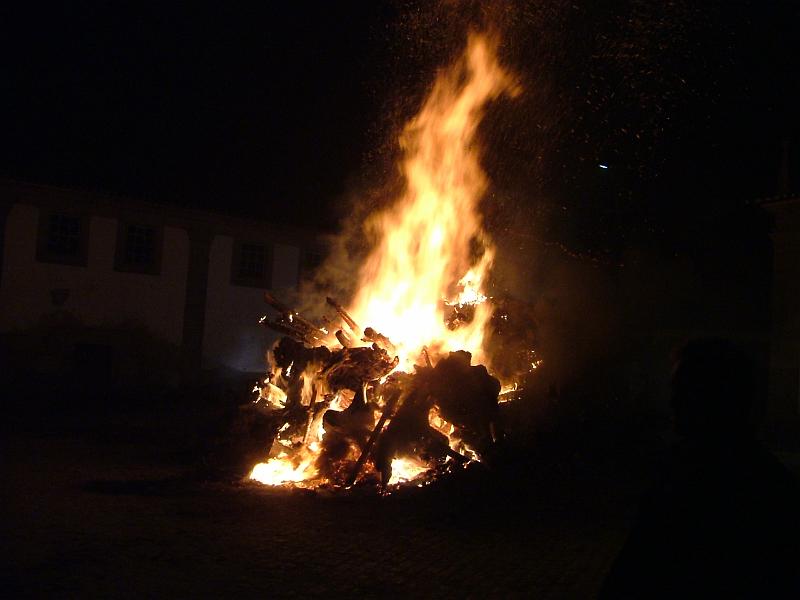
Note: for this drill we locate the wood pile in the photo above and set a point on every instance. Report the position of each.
(440, 414)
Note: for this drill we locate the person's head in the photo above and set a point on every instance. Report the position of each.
(713, 391)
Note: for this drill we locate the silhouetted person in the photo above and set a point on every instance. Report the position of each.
(723, 521)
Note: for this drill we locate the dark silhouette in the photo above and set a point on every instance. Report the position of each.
(723, 519)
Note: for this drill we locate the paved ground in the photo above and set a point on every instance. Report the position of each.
(84, 518)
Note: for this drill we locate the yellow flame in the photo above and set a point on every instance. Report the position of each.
(438, 423)
(425, 239)
(272, 394)
(424, 260)
(279, 470)
(406, 469)
(471, 286)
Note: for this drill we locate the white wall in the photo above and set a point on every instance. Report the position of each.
(98, 295)
(233, 337)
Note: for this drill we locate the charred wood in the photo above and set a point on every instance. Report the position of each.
(292, 323)
(344, 315)
(291, 352)
(350, 368)
(427, 357)
(290, 330)
(370, 335)
(312, 412)
(460, 314)
(344, 339)
(467, 397)
(376, 431)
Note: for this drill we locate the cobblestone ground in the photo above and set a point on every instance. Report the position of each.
(83, 519)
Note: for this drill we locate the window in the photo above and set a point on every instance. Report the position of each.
(64, 235)
(140, 245)
(138, 248)
(252, 264)
(251, 260)
(62, 238)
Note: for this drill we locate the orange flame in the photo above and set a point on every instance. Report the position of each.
(425, 238)
(278, 470)
(423, 262)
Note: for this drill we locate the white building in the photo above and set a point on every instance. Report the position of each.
(91, 281)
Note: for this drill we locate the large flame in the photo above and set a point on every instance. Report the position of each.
(431, 252)
(427, 238)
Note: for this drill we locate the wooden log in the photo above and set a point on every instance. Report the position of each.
(311, 413)
(294, 319)
(376, 432)
(302, 323)
(457, 456)
(427, 357)
(370, 335)
(344, 339)
(287, 329)
(345, 317)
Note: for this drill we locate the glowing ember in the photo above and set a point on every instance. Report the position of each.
(471, 291)
(272, 394)
(406, 469)
(278, 470)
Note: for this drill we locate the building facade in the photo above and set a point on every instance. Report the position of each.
(99, 280)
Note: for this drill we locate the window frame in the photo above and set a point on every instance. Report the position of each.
(121, 262)
(263, 281)
(46, 255)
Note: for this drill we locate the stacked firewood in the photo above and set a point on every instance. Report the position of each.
(389, 411)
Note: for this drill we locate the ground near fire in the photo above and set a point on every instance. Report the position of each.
(469, 396)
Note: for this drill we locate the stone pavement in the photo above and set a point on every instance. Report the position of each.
(83, 520)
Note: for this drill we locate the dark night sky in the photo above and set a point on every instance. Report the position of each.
(217, 107)
(264, 110)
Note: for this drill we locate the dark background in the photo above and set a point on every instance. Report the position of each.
(285, 110)
(289, 112)
(292, 112)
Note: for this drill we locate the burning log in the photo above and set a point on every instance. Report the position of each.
(312, 413)
(388, 411)
(351, 368)
(346, 434)
(460, 314)
(344, 315)
(285, 329)
(467, 396)
(291, 323)
(409, 434)
(370, 335)
(344, 339)
(427, 357)
(289, 352)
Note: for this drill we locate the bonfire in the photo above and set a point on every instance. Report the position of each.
(392, 388)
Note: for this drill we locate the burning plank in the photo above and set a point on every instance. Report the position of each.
(344, 315)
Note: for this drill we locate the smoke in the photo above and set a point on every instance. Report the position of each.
(345, 251)
(600, 83)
